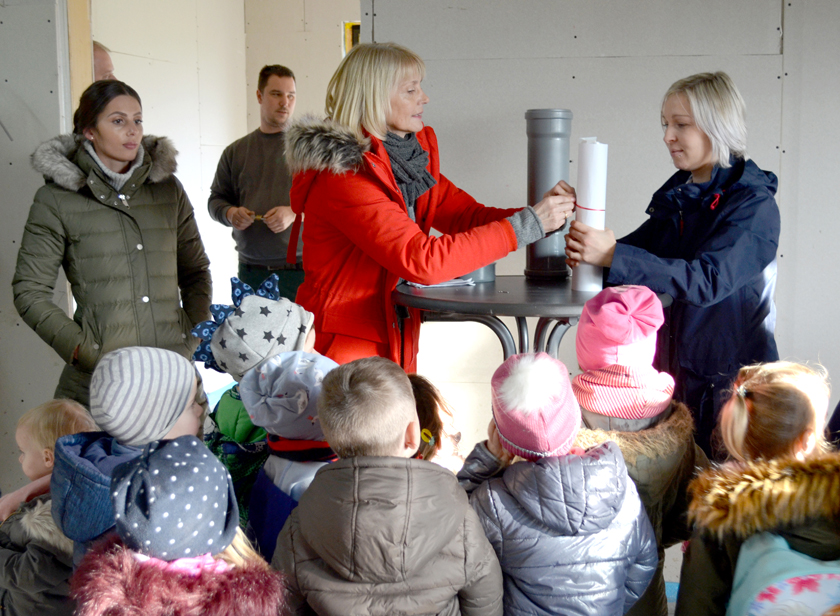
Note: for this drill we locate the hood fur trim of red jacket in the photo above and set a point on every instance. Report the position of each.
(110, 582)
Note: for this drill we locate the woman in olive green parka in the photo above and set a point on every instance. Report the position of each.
(119, 223)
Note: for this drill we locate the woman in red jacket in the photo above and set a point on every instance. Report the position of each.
(368, 180)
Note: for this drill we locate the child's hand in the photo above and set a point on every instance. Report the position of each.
(494, 445)
(12, 501)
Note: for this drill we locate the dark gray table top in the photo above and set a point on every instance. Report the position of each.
(508, 296)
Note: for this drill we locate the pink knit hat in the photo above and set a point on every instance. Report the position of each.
(535, 410)
(618, 326)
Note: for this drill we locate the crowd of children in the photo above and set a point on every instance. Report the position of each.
(566, 508)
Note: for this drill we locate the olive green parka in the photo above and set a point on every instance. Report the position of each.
(133, 257)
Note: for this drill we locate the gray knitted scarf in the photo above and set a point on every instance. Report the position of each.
(408, 162)
(117, 180)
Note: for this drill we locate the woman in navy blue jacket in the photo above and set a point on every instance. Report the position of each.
(710, 243)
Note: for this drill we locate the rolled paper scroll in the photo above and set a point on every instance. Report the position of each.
(591, 206)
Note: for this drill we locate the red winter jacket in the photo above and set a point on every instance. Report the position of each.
(358, 239)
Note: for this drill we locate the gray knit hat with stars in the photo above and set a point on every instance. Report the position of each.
(257, 329)
(175, 500)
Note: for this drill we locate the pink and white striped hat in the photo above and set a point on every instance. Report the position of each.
(625, 392)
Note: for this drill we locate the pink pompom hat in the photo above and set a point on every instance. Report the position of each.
(536, 413)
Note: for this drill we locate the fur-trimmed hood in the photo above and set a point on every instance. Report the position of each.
(744, 498)
(37, 524)
(656, 442)
(319, 144)
(111, 581)
(56, 160)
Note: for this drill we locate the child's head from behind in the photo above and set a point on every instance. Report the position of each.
(141, 394)
(535, 411)
(281, 394)
(618, 326)
(175, 500)
(40, 427)
(367, 409)
(776, 409)
(257, 325)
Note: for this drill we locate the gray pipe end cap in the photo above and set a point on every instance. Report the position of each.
(548, 114)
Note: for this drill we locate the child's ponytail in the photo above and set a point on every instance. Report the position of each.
(772, 407)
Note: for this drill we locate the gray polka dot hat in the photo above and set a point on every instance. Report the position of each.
(175, 500)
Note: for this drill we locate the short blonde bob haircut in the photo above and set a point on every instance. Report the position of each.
(772, 407)
(50, 421)
(359, 93)
(718, 110)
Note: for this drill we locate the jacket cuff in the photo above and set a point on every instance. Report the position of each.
(479, 466)
(527, 226)
(66, 341)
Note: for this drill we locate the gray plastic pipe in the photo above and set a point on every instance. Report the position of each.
(548, 162)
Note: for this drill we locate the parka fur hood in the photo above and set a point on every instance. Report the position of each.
(37, 524)
(111, 581)
(745, 498)
(657, 442)
(319, 144)
(55, 160)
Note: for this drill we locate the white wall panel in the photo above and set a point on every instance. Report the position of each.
(305, 35)
(29, 114)
(461, 29)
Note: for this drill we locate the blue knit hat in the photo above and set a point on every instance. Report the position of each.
(175, 500)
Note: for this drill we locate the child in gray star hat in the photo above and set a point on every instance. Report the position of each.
(180, 549)
(257, 325)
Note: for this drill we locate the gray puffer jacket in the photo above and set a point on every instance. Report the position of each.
(387, 536)
(132, 256)
(571, 534)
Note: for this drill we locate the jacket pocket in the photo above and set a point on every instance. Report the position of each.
(90, 348)
(190, 342)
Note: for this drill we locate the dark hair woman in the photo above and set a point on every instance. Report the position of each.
(114, 216)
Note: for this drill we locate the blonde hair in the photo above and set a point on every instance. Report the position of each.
(359, 93)
(718, 110)
(50, 421)
(241, 552)
(772, 406)
(365, 407)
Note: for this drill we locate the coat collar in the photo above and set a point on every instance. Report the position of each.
(64, 161)
(744, 498)
(654, 442)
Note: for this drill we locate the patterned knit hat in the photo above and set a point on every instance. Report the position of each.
(258, 325)
(618, 326)
(175, 500)
(624, 392)
(138, 393)
(281, 394)
(535, 411)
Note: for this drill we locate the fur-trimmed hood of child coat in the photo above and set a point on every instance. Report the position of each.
(384, 536)
(110, 581)
(133, 257)
(571, 534)
(797, 500)
(36, 562)
(661, 460)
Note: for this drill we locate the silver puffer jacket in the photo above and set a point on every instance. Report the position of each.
(570, 532)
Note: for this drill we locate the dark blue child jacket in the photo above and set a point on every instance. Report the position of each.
(712, 247)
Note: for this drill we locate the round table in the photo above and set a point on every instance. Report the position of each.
(552, 301)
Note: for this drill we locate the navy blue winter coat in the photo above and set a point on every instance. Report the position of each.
(712, 247)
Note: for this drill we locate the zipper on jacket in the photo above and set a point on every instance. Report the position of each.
(124, 200)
